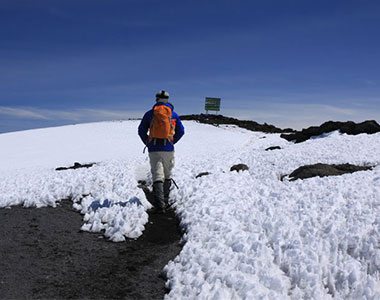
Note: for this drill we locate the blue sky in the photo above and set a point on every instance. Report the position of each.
(288, 63)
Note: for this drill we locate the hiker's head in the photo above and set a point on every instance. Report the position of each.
(162, 96)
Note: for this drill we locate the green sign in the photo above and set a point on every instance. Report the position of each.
(212, 104)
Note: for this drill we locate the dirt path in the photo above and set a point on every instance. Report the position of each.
(44, 255)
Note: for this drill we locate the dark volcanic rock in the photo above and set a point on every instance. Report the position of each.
(219, 119)
(351, 128)
(323, 170)
(239, 167)
(202, 174)
(76, 165)
(272, 148)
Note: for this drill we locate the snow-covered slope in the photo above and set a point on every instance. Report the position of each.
(53, 147)
(248, 235)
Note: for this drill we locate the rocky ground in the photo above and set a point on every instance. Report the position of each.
(322, 170)
(223, 120)
(44, 256)
(351, 128)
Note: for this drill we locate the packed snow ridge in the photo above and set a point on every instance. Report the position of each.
(248, 235)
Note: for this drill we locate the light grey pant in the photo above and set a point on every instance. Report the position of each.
(161, 165)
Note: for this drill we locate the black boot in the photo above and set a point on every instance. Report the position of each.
(167, 185)
(158, 192)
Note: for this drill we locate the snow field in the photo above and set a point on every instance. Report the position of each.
(251, 236)
(248, 235)
(28, 178)
(114, 180)
(62, 146)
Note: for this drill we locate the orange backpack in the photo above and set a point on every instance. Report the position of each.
(162, 125)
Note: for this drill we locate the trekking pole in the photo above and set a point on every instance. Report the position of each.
(175, 184)
(146, 145)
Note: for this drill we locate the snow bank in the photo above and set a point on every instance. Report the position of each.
(251, 236)
(114, 181)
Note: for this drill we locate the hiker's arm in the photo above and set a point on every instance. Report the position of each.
(144, 127)
(179, 131)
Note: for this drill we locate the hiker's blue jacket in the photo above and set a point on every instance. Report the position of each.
(160, 144)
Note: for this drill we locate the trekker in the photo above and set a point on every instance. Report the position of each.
(159, 130)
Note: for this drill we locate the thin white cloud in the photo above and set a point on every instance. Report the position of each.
(75, 115)
(22, 113)
(339, 110)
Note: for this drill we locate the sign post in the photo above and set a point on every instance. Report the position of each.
(212, 104)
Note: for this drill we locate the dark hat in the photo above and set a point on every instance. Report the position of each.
(161, 95)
